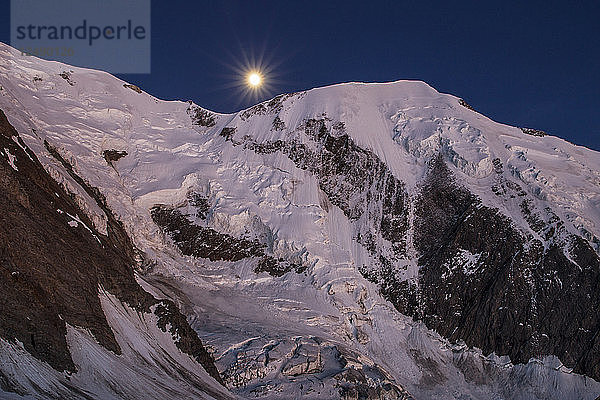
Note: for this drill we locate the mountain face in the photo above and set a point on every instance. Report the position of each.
(372, 241)
(57, 273)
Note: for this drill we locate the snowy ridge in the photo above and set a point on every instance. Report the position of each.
(411, 114)
(175, 149)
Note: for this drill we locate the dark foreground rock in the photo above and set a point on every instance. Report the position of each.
(53, 262)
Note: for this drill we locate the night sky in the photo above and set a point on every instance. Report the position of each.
(528, 63)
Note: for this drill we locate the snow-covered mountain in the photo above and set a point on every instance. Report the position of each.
(352, 241)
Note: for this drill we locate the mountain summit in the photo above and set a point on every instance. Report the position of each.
(366, 241)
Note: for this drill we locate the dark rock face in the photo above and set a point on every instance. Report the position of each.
(484, 282)
(465, 104)
(132, 87)
(113, 155)
(66, 75)
(201, 117)
(169, 318)
(201, 205)
(204, 242)
(278, 124)
(533, 132)
(52, 262)
(227, 132)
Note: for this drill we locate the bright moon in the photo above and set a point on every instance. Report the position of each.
(254, 79)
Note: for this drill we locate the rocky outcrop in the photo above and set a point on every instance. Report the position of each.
(202, 242)
(133, 87)
(205, 242)
(201, 117)
(485, 282)
(533, 132)
(113, 155)
(53, 262)
(465, 104)
(66, 75)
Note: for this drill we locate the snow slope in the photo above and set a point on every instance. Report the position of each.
(150, 367)
(330, 308)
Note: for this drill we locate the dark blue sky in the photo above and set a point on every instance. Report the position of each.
(526, 63)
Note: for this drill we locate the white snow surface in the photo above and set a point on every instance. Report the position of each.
(404, 123)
